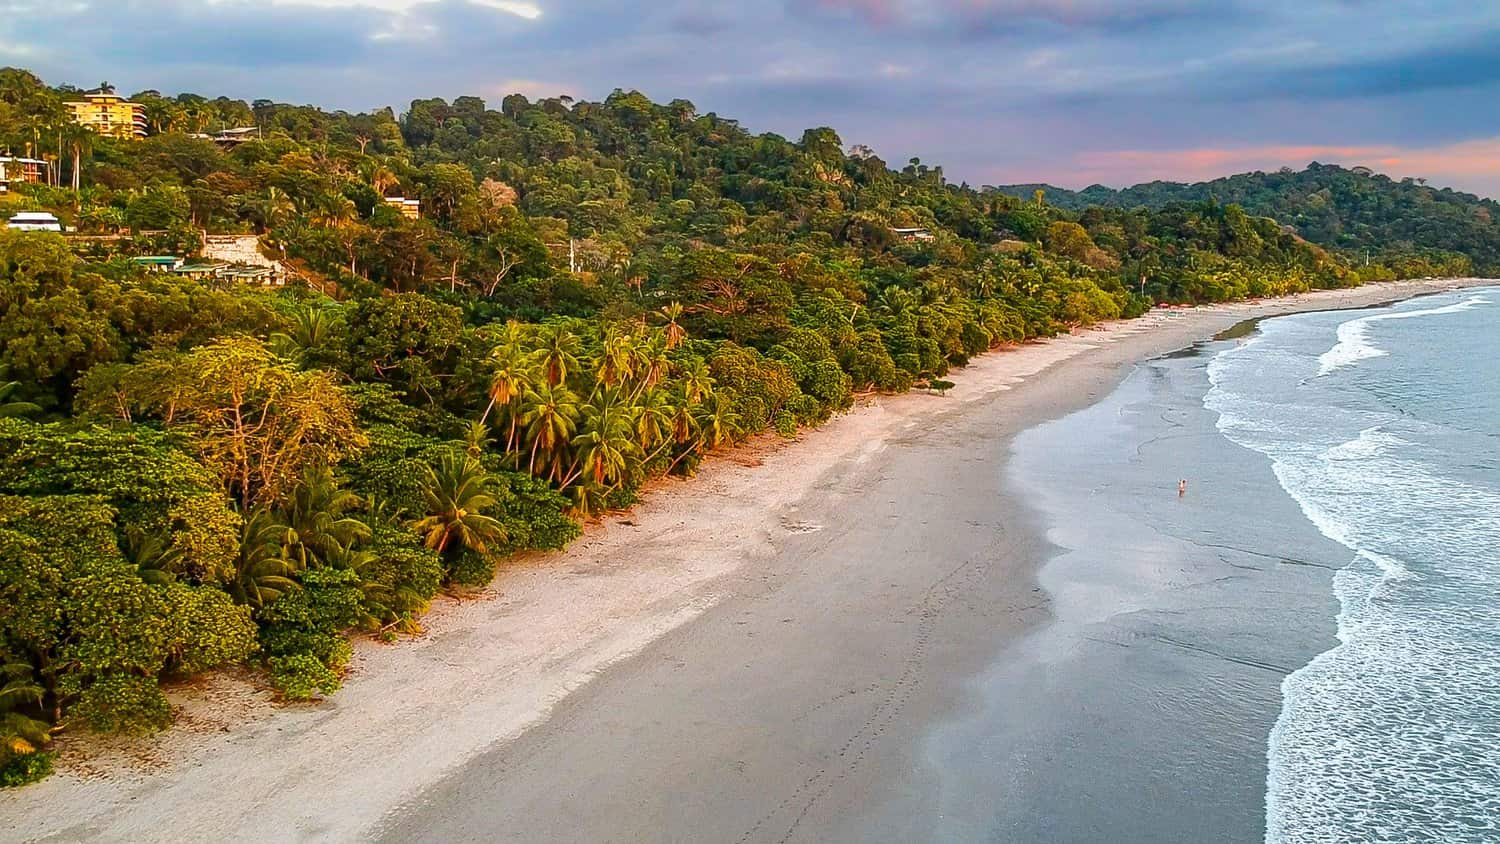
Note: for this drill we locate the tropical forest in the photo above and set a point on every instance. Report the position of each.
(201, 473)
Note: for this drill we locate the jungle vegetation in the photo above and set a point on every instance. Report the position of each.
(1363, 213)
(200, 475)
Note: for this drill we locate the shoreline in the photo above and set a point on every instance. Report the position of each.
(570, 632)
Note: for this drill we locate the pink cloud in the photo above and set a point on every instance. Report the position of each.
(1473, 165)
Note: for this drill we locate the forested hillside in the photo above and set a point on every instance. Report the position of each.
(199, 473)
(1349, 209)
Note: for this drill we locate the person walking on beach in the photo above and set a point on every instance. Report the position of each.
(1181, 488)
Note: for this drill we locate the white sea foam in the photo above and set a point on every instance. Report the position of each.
(1354, 336)
(1394, 734)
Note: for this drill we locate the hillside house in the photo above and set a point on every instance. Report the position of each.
(409, 208)
(17, 170)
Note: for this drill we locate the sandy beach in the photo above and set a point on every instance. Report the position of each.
(745, 656)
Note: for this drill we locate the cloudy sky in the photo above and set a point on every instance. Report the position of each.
(1067, 91)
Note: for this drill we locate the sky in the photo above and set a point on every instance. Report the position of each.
(1071, 92)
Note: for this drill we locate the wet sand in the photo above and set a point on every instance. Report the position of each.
(1139, 711)
(751, 655)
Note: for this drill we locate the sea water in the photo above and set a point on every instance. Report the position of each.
(1384, 426)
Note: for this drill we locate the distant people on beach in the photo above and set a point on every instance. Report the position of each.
(1181, 488)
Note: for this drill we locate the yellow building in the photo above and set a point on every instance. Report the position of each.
(109, 114)
(409, 208)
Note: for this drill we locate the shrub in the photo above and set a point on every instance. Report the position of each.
(302, 676)
(471, 569)
(24, 768)
(123, 704)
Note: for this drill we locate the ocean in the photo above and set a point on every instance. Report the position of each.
(1384, 426)
(1303, 647)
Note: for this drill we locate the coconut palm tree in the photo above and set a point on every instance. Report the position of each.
(476, 438)
(618, 358)
(163, 114)
(550, 414)
(382, 179)
(312, 329)
(458, 491)
(652, 421)
(653, 362)
(198, 116)
(606, 446)
(683, 421)
(511, 379)
(331, 209)
(557, 354)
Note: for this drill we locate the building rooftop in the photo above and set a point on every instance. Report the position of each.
(202, 267)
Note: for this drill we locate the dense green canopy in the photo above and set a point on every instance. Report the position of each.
(1354, 209)
(199, 473)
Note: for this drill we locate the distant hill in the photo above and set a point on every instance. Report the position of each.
(1348, 208)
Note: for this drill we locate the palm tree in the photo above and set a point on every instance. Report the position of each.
(313, 328)
(683, 420)
(80, 141)
(672, 313)
(557, 354)
(269, 208)
(652, 421)
(718, 422)
(653, 362)
(262, 571)
(331, 209)
(477, 438)
(162, 114)
(316, 514)
(198, 115)
(697, 383)
(382, 179)
(618, 359)
(20, 734)
(550, 414)
(511, 379)
(10, 409)
(381, 511)
(894, 301)
(152, 555)
(606, 447)
(457, 492)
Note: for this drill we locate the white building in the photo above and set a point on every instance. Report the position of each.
(34, 221)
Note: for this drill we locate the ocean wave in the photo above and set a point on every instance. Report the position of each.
(1354, 336)
(1393, 734)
